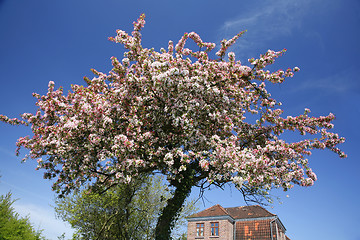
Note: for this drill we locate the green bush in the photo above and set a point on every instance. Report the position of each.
(12, 226)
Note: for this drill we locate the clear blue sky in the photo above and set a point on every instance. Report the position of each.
(60, 41)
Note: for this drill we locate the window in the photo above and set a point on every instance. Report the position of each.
(200, 229)
(214, 229)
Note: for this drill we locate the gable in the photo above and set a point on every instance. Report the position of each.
(213, 211)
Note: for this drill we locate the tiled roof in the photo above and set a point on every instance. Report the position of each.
(245, 212)
(215, 210)
(250, 220)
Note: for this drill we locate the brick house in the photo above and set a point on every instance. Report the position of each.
(236, 223)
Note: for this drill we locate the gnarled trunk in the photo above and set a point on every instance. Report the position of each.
(172, 209)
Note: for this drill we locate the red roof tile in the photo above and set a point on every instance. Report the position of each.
(215, 210)
(245, 212)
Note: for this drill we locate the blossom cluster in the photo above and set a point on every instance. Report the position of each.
(165, 112)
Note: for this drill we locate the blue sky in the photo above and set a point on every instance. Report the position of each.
(60, 41)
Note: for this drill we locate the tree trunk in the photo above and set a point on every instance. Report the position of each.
(172, 209)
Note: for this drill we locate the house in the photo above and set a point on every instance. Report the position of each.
(235, 223)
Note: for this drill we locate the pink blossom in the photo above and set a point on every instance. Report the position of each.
(175, 113)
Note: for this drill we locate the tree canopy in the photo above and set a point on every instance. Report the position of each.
(12, 226)
(126, 211)
(180, 113)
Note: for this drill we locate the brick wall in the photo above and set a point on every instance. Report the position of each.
(245, 230)
(226, 230)
(253, 230)
(258, 230)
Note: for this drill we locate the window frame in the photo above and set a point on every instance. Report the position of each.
(214, 229)
(200, 229)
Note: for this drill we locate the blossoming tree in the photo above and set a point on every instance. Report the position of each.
(179, 113)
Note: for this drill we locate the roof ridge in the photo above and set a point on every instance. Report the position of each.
(240, 212)
(247, 211)
(220, 211)
(207, 209)
(224, 209)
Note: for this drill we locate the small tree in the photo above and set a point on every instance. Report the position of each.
(12, 226)
(180, 113)
(126, 211)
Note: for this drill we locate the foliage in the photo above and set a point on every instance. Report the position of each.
(126, 211)
(12, 226)
(180, 113)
